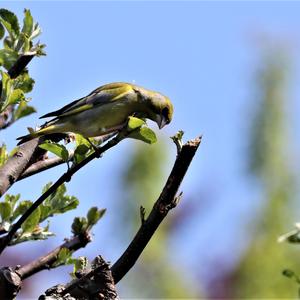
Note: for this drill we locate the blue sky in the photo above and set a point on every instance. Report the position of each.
(201, 54)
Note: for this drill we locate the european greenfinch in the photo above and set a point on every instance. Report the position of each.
(105, 110)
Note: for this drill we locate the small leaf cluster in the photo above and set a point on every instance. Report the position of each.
(56, 203)
(17, 42)
(82, 224)
(138, 130)
(82, 149)
(57, 149)
(65, 257)
(13, 93)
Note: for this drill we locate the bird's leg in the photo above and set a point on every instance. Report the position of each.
(95, 148)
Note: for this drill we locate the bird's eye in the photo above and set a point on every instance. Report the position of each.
(165, 113)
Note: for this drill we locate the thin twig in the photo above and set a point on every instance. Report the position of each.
(142, 214)
(20, 65)
(166, 201)
(44, 165)
(5, 240)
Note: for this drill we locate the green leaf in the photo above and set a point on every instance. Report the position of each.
(39, 50)
(6, 90)
(82, 149)
(46, 212)
(15, 97)
(80, 153)
(134, 123)
(79, 225)
(69, 204)
(94, 215)
(10, 21)
(24, 82)
(46, 187)
(57, 203)
(57, 149)
(38, 234)
(8, 43)
(23, 110)
(33, 220)
(80, 264)
(36, 31)
(178, 136)
(144, 134)
(81, 140)
(25, 43)
(5, 211)
(12, 199)
(7, 58)
(27, 23)
(3, 154)
(63, 204)
(63, 256)
(21, 208)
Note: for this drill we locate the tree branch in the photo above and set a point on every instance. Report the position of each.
(45, 262)
(11, 279)
(166, 201)
(5, 117)
(15, 165)
(11, 171)
(20, 65)
(49, 163)
(10, 283)
(5, 240)
(95, 282)
(43, 165)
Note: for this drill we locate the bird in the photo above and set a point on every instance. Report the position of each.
(106, 109)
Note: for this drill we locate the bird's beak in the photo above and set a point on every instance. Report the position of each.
(161, 121)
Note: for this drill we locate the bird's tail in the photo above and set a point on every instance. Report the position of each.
(45, 129)
(25, 138)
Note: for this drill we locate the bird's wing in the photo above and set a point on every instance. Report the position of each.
(100, 96)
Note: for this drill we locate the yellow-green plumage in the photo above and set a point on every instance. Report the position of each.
(105, 110)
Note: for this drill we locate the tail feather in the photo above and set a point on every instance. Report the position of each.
(44, 130)
(25, 138)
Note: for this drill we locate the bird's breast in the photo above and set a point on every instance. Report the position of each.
(99, 120)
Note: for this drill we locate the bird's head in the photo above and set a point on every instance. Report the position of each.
(159, 107)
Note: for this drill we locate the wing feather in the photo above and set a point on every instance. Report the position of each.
(100, 96)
